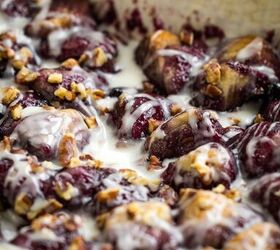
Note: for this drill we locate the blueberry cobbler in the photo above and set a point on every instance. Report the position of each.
(170, 142)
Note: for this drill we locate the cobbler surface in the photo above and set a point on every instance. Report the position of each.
(107, 143)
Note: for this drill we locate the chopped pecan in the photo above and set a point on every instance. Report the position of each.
(67, 149)
(99, 57)
(91, 121)
(64, 94)
(154, 163)
(107, 194)
(70, 63)
(22, 204)
(25, 76)
(153, 124)
(55, 78)
(10, 94)
(16, 112)
(66, 193)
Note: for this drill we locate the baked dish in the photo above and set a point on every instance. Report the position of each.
(171, 142)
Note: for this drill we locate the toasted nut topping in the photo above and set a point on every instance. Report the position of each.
(79, 89)
(153, 124)
(219, 189)
(259, 118)
(175, 109)
(10, 53)
(22, 204)
(35, 168)
(16, 112)
(63, 21)
(64, 94)
(78, 161)
(26, 76)
(10, 94)
(97, 94)
(51, 206)
(17, 64)
(132, 177)
(213, 72)
(99, 57)
(91, 122)
(74, 162)
(55, 78)
(5, 144)
(213, 91)
(108, 194)
(8, 36)
(83, 58)
(234, 120)
(187, 37)
(66, 193)
(163, 38)
(61, 92)
(69, 63)
(67, 149)
(6, 53)
(155, 163)
(25, 53)
(144, 212)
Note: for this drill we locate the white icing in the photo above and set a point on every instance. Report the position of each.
(250, 50)
(47, 127)
(29, 111)
(103, 143)
(57, 37)
(9, 223)
(5, 246)
(106, 147)
(195, 62)
(21, 170)
(44, 234)
(130, 74)
(269, 72)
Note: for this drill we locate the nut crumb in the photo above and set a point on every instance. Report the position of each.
(107, 194)
(10, 94)
(67, 149)
(26, 76)
(64, 94)
(213, 72)
(99, 57)
(91, 122)
(154, 163)
(55, 78)
(175, 109)
(16, 112)
(153, 124)
(69, 63)
(187, 37)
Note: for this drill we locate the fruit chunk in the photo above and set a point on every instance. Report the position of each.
(185, 132)
(258, 149)
(167, 64)
(266, 193)
(43, 133)
(205, 167)
(262, 235)
(210, 219)
(137, 115)
(139, 222)
(243, 69)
